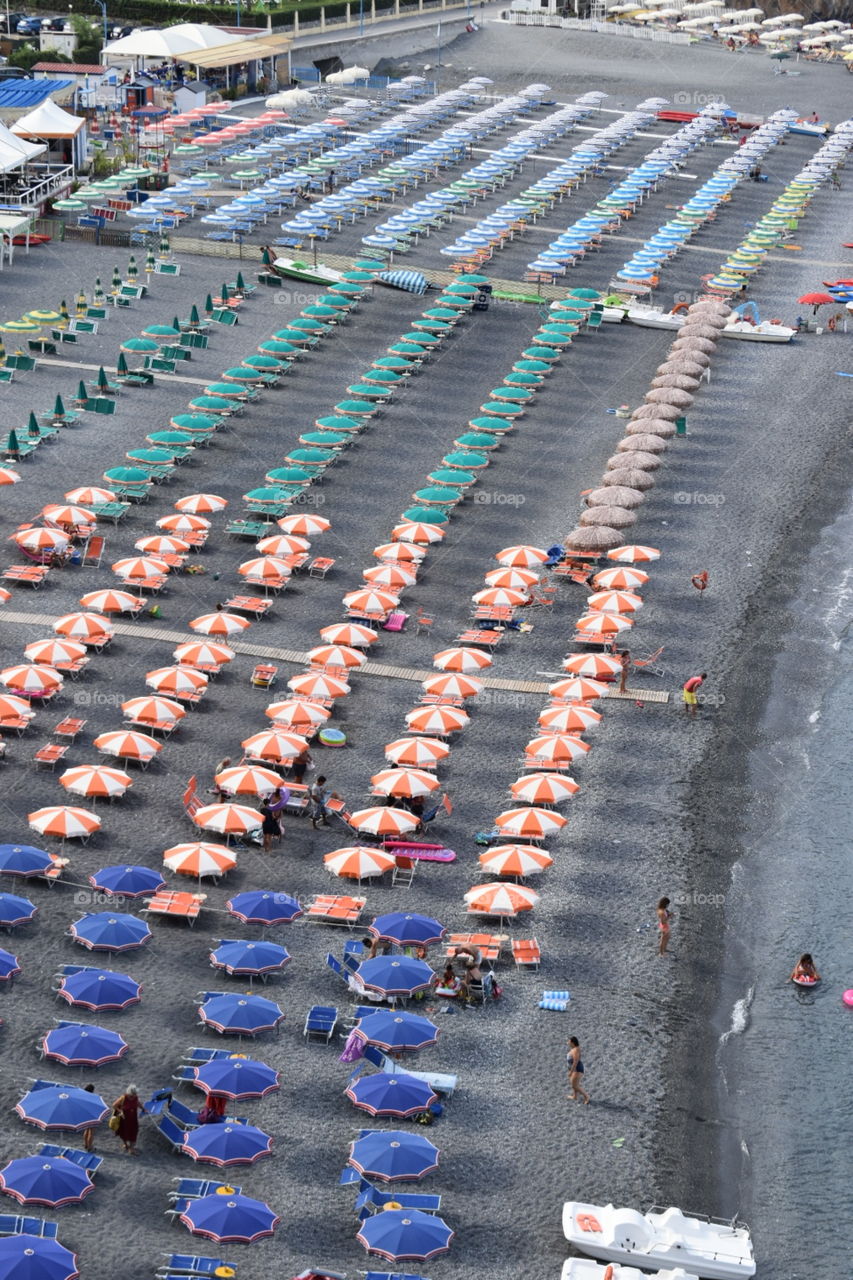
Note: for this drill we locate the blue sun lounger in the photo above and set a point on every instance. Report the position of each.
(187, 1264)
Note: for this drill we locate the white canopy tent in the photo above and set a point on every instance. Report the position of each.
(16, 151)
(50, 122)
(170, 42)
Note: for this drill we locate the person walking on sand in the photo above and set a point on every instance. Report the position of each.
(88, 1134)
(576, 1070)
(271, 827)
(689, 691)
(319, 796)
(700, 581)
(300, 764)
(625, 661)
(664, 916)
(127, 1108)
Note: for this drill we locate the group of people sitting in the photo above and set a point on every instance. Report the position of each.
(453, 985)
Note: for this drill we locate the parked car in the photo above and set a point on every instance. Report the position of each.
(55, 24)
(15, 73)
(9, 22)
(29, 27)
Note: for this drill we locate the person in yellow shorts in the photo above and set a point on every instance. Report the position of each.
(690, 689)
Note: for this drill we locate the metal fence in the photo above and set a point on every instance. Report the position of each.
(624, 29)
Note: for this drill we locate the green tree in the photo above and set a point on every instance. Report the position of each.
(24, 56)
(89, 42)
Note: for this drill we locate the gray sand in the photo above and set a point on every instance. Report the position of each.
(512, 1146)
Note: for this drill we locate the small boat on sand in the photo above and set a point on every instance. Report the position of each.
(586, 1269)
(701, 1246)
(737, 325)
(293, 269)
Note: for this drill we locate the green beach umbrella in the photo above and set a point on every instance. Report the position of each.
(355, 408)
(198, 423)
(99, 297)
(318, 312)
(82, 393)
(308, 325)
(465, 460)
(412, 350)
(365, 391)
(441, 313)
(81, 303)
(208, 304)
(421, 339)
(161, 331)
(387, 377)
(521, 379)
(58, 408)
(438, 495)
(502, 408)
(248, 175)
(531, 366)
(309, 457)
(425, 515)
(472, 279)
(492, 425)
(560, 328)
(393, 363)
(209, 404)
(476, 440)
(127, 475)
(267, 363)
(369, 264)
(331, 300)
(165, 246)
(12, 445)
(42, 317)
(585, 293)
(288, 476)
(32, 425)
(224, 391)
(102, 379)
(241, 283)
(132, 268)
(451, 476)
(276, 347)
(154, 457)
(116, 283)
(514, 395)
(344, 290)
(460, 287)
(139, 345)
(63, 313)
(20, 326)
(548, 354)
(324, 440)
(182, 439)
(358, 277)
(240, 374)
(438, 327)
(223, 293)
(121, 364)
(195, 318)
(267, 494)
(70, 206)
(336, 423)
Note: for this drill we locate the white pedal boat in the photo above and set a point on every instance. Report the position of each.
(706, 1247)
(586, 1269)
(736, 326)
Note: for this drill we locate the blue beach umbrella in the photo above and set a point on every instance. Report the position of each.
(100, 990)
(9, 967)
(62, 1106)
(241, 1015)
(405, 1233)
(395, 975)
(53, 1181)
(262, 906)
(384, 1094)
(397, 1032)
(23, 860)
(28, 1258)
(108, 931)
(237, 1078)
(229, 1219)
(225, 1144)
(14, 910)
(81, 1045)
(127, 881)
(390, 1155)
(240, 956)
(407, 929)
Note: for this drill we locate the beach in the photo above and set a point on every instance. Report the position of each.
(666, 804)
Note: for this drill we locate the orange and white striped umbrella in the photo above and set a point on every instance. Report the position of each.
(318, 684)
(534, 824)
(183, 522)
(415, 531)
(198, 858)
(31, 678)
(152, 710)
(394, 576)
(358, 862)
(597, 666)
(267, 568)
(501, 899)
(248, 780)
(441, 720)
(615, 601)
(298, 713)
(604, 624)
(65, 821)
(407, 552)
(450, 684)
(138, 568)
(95, 780)
(522, 557)
(127, 744)
(499, 597)
(306, 525)
(197, 652)
(544, 788)
(176, 680)
(5, 596)
(110, 601)
(228, 819)
(370, 600)
(405, 783)
(8, 476)
(336, 655)
(515, 860)
(162, 544)
(514, 579)
(620, 578)
(89, 495)
(282, 544)
(41, 539)
(352, 634)
(578, 689)
(419, 752)
(557, 748)
(576, 718)
(274, 744)
(199, 504)
(464, 660)
(12, 707)
(82, 626)
(68, 514)
(219, 624)
(51, 651)
(383, 820)
(634, 554)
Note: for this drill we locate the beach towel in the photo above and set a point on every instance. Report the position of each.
(354, 1047)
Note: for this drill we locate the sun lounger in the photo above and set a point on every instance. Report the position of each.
(440, 1082)
(32, 575)
(255, 605)
(13, 1225)
(50, 754)
(196, 1188)
(190, 1265)
(178, 905)
(526, 953)
(336, 909)
(489, 944)
(487, 639)
(18, 723)
(320, 1023)
(84, 1159)
(69, 728)
(198, 1055)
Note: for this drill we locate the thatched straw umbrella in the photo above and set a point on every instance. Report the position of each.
(667, 411)
(652, 426)
(691, 367)
(681, 381)
(608, 517)
(669, 395)
(614, 495)
(631, 478)
(718, 305)
(638, 460)
(642, 443)
(706, 313)
(691, 344)
(595, 539)
(701, 329)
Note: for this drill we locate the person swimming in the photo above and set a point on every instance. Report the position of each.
(804, 970)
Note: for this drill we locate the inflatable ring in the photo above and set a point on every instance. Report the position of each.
(679, 308)
(848, 998)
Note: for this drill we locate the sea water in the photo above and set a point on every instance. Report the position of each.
(785, 1056)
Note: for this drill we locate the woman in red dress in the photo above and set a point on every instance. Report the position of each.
(127, 1108)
